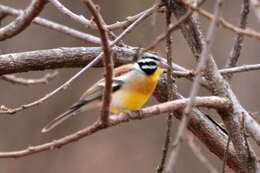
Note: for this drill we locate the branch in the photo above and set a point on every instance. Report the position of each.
(225, 24)
(54, 26)
(75, 57)
(236, 49)
(197, 153)
(23, 21)
(209, 102)
(220, 87)
(172, 88)
(108, 61)
(172, 27)
(32, 81)
(196, 83)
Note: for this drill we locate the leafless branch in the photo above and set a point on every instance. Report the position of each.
(210, 102)
(236, 49)
(171, 92)
(78, 18)
(108, 61)
(197, 152)
(24, 20)
(226, 156)
(171, 28)
(218, 86)
(72, 57)
(31, 81)
(225, 24)
(195, 86)
(54, 26)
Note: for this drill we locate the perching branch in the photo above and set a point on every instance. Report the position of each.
(209, 102)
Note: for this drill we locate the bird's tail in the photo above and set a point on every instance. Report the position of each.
(73, 110)
(57, 121)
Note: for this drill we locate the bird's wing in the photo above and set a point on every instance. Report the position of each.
(123, 69)
(93, 93)
(96, 91)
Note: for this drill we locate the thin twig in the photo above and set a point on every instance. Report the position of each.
(237, 46)
(197, 153)
(209, 102)
(23, 21)
(224, 71)
(78, 18)
(171, 90)
(88, 38)
(226, 155)
(196, 83)
(30, 81)
(225, 24)
(172, 27)
(89, 24)
(108, 61)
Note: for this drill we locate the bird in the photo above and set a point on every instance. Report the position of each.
(133, 84)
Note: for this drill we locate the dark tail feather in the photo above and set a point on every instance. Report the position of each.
(57, 121)
(73, 110)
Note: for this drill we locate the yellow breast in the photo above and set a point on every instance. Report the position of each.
(133, 96)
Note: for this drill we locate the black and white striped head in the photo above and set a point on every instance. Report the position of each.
(149, 64)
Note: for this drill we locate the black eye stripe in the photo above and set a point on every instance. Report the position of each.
(151, 57)
(150, 63)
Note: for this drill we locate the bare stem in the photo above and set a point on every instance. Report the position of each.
(108, 61)
(23, 21)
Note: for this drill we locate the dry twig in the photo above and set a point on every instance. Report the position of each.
(236, 49)
(31, 81)
(108, 61)
(24, 20)
(171, 92)
(197, 152)
(225, 24)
